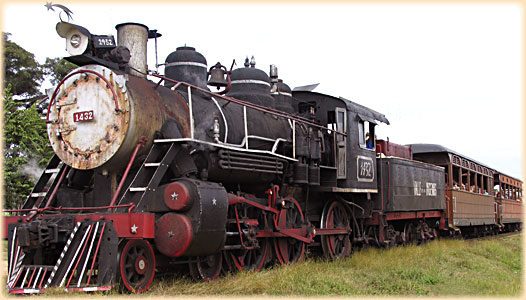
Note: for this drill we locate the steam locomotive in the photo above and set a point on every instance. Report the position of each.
(149, 175)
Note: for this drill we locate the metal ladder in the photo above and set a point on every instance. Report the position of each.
(150, 173)
(40, 194)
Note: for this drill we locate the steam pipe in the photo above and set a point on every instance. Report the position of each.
(66, 169)
(141, 142)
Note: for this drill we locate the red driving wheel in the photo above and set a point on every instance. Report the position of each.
(289, 250)
(336, 217)
(136, 265)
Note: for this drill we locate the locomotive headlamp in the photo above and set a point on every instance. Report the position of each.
(77, 37)
(75, 40)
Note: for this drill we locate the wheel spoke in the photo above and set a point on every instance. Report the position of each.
(336, 217)
(288, 249)
(207, 268)
(133, 251)
(249, 259)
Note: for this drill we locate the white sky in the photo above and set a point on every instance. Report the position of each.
(441, 73)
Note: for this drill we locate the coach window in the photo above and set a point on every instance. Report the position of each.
(456, 181)
(464, 185)
(474, 183)
(366, 135)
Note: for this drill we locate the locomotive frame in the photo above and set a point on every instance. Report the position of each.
(174, 174)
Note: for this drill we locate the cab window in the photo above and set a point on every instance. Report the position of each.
(366, 135)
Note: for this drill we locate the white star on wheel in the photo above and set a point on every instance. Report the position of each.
(175, 196)
(214, 201)
(134, 229)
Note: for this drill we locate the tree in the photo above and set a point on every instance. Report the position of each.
(57, 68)
(26, 146)
(22, 71)
(25, 142)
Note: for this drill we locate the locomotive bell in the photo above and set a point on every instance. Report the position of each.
(217, 76)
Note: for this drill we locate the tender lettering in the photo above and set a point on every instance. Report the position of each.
(430, 189)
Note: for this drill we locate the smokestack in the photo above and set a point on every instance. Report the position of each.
(134, 36)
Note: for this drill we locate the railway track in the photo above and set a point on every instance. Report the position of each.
(506, 234)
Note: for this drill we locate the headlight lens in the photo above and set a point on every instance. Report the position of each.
(75, 40)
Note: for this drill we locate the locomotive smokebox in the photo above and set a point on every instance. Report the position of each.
(97, 116)
(134, 36)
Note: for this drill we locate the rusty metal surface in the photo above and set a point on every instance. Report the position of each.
(392, 149)
(472, 209)
(134, 36)
(88, 144)
(109, 139)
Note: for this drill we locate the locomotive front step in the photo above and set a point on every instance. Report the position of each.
(85, 262)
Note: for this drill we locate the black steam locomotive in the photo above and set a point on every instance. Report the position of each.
(149, 175)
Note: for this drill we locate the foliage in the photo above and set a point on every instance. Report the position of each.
(57, 68)
(26, 147)
(25, 141)
(22, 71)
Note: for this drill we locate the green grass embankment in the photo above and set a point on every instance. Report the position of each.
(440, 268)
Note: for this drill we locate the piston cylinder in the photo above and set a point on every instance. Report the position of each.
(200, 230)
(174, 196)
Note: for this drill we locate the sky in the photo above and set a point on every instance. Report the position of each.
(448, 74)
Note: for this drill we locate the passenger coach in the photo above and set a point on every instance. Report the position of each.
(479, 199)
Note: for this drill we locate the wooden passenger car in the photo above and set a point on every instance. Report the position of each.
(471, 207)
(508, 197)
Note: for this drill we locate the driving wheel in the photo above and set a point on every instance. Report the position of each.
(336, 217)
(251, 260)
(207, 267)
(288, 249)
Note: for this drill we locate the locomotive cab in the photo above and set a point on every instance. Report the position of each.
(351, 155)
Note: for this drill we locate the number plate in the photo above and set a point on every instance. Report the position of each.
(365, 168)
(103, 41)
(82, 116)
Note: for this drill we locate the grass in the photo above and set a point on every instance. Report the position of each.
(439, 268)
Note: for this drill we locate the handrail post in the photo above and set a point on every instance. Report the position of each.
(246, 126)
(191, 112)
(294, 139)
